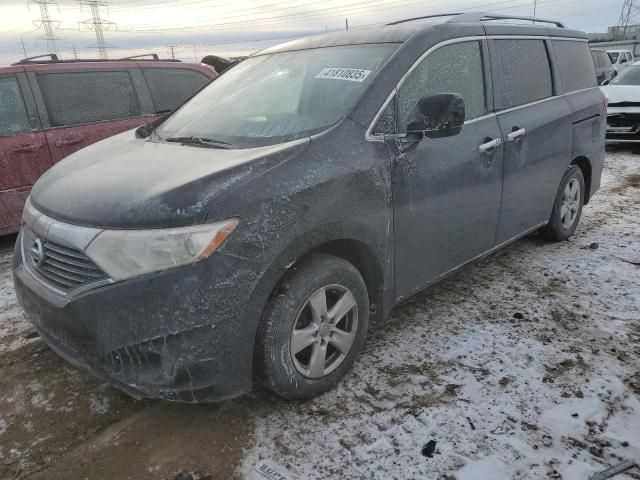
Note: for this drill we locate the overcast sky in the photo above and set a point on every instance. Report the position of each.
(228, 27)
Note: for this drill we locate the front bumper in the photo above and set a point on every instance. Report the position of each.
(179, 335)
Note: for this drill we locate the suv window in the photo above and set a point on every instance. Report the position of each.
(75, 98)
(576, 71)
(455, 68)
(386, 124)
(13, 113)
(171, 87)
(525, 72)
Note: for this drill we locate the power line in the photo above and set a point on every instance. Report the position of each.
(45, 23)
(97, 24)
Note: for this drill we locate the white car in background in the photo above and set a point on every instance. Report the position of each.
(623, 112)
(620, 59)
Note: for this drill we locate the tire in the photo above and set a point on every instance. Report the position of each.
(567, 208)
(298, 303)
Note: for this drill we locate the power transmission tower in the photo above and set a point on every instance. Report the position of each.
(46, 23)
(630, 9)
(24, 49)
(98, 24)
(173, 50)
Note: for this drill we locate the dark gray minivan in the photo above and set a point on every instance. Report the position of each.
(253, 234)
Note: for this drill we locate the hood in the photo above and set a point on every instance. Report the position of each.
(622, 93)
(126, 182)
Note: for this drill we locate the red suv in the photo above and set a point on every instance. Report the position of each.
(50, 109)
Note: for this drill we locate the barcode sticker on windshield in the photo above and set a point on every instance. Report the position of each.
(338, 73)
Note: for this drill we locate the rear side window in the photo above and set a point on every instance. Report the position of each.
(455, 68)
(525, 73)
(13, 113)
(171, 87)
(576, 70)
(88, 97)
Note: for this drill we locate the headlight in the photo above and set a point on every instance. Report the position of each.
(130, 253)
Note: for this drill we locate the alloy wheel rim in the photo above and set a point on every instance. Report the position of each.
(570, 203)
(324, 331)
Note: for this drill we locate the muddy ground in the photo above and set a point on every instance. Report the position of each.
(525, 364)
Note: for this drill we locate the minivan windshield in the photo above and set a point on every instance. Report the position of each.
(629, 76)
(275, 98)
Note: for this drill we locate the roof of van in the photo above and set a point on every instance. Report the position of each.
(401, 31)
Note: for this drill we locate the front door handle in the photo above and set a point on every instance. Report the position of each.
(69, 140)
(516, 134)
(27, 148)
(489, 144)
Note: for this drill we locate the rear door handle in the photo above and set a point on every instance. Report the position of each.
(489, 145)
(516, 134)
(69, 140)
(27, 148)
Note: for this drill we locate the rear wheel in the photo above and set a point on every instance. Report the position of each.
(567, 208)
(313, 330)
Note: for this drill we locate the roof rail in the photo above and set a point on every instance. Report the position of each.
(458, 17)
(51, 56)
(451, 14)
(154, 56)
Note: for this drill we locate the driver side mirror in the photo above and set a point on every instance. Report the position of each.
(605, 83)
(437, 116)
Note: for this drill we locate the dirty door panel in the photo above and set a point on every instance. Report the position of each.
(86, 107)
(537, 134)
(24, 154)
(446, 190)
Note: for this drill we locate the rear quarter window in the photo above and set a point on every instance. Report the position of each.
(74, 98)
(171, 87)
(524, 72)
(576, 69)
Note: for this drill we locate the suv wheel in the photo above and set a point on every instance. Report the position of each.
(313, 330)
(567, 207)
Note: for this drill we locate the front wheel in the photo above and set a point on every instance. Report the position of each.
(313, 330)
(567, 208)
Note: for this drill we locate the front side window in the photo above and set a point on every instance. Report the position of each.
(274, 98)
(386, 124)
(455, 68)
(171, 87)
(576, 70)
(13, 113)
(76, 98)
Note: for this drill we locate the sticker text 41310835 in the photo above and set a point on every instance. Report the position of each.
(339, 73)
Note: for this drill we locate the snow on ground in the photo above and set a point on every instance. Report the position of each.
(523, 365)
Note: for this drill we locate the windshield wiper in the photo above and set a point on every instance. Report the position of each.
(200, 141)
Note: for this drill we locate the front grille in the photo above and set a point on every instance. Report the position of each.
(625, 104)
(623, 123)
(62, 267)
